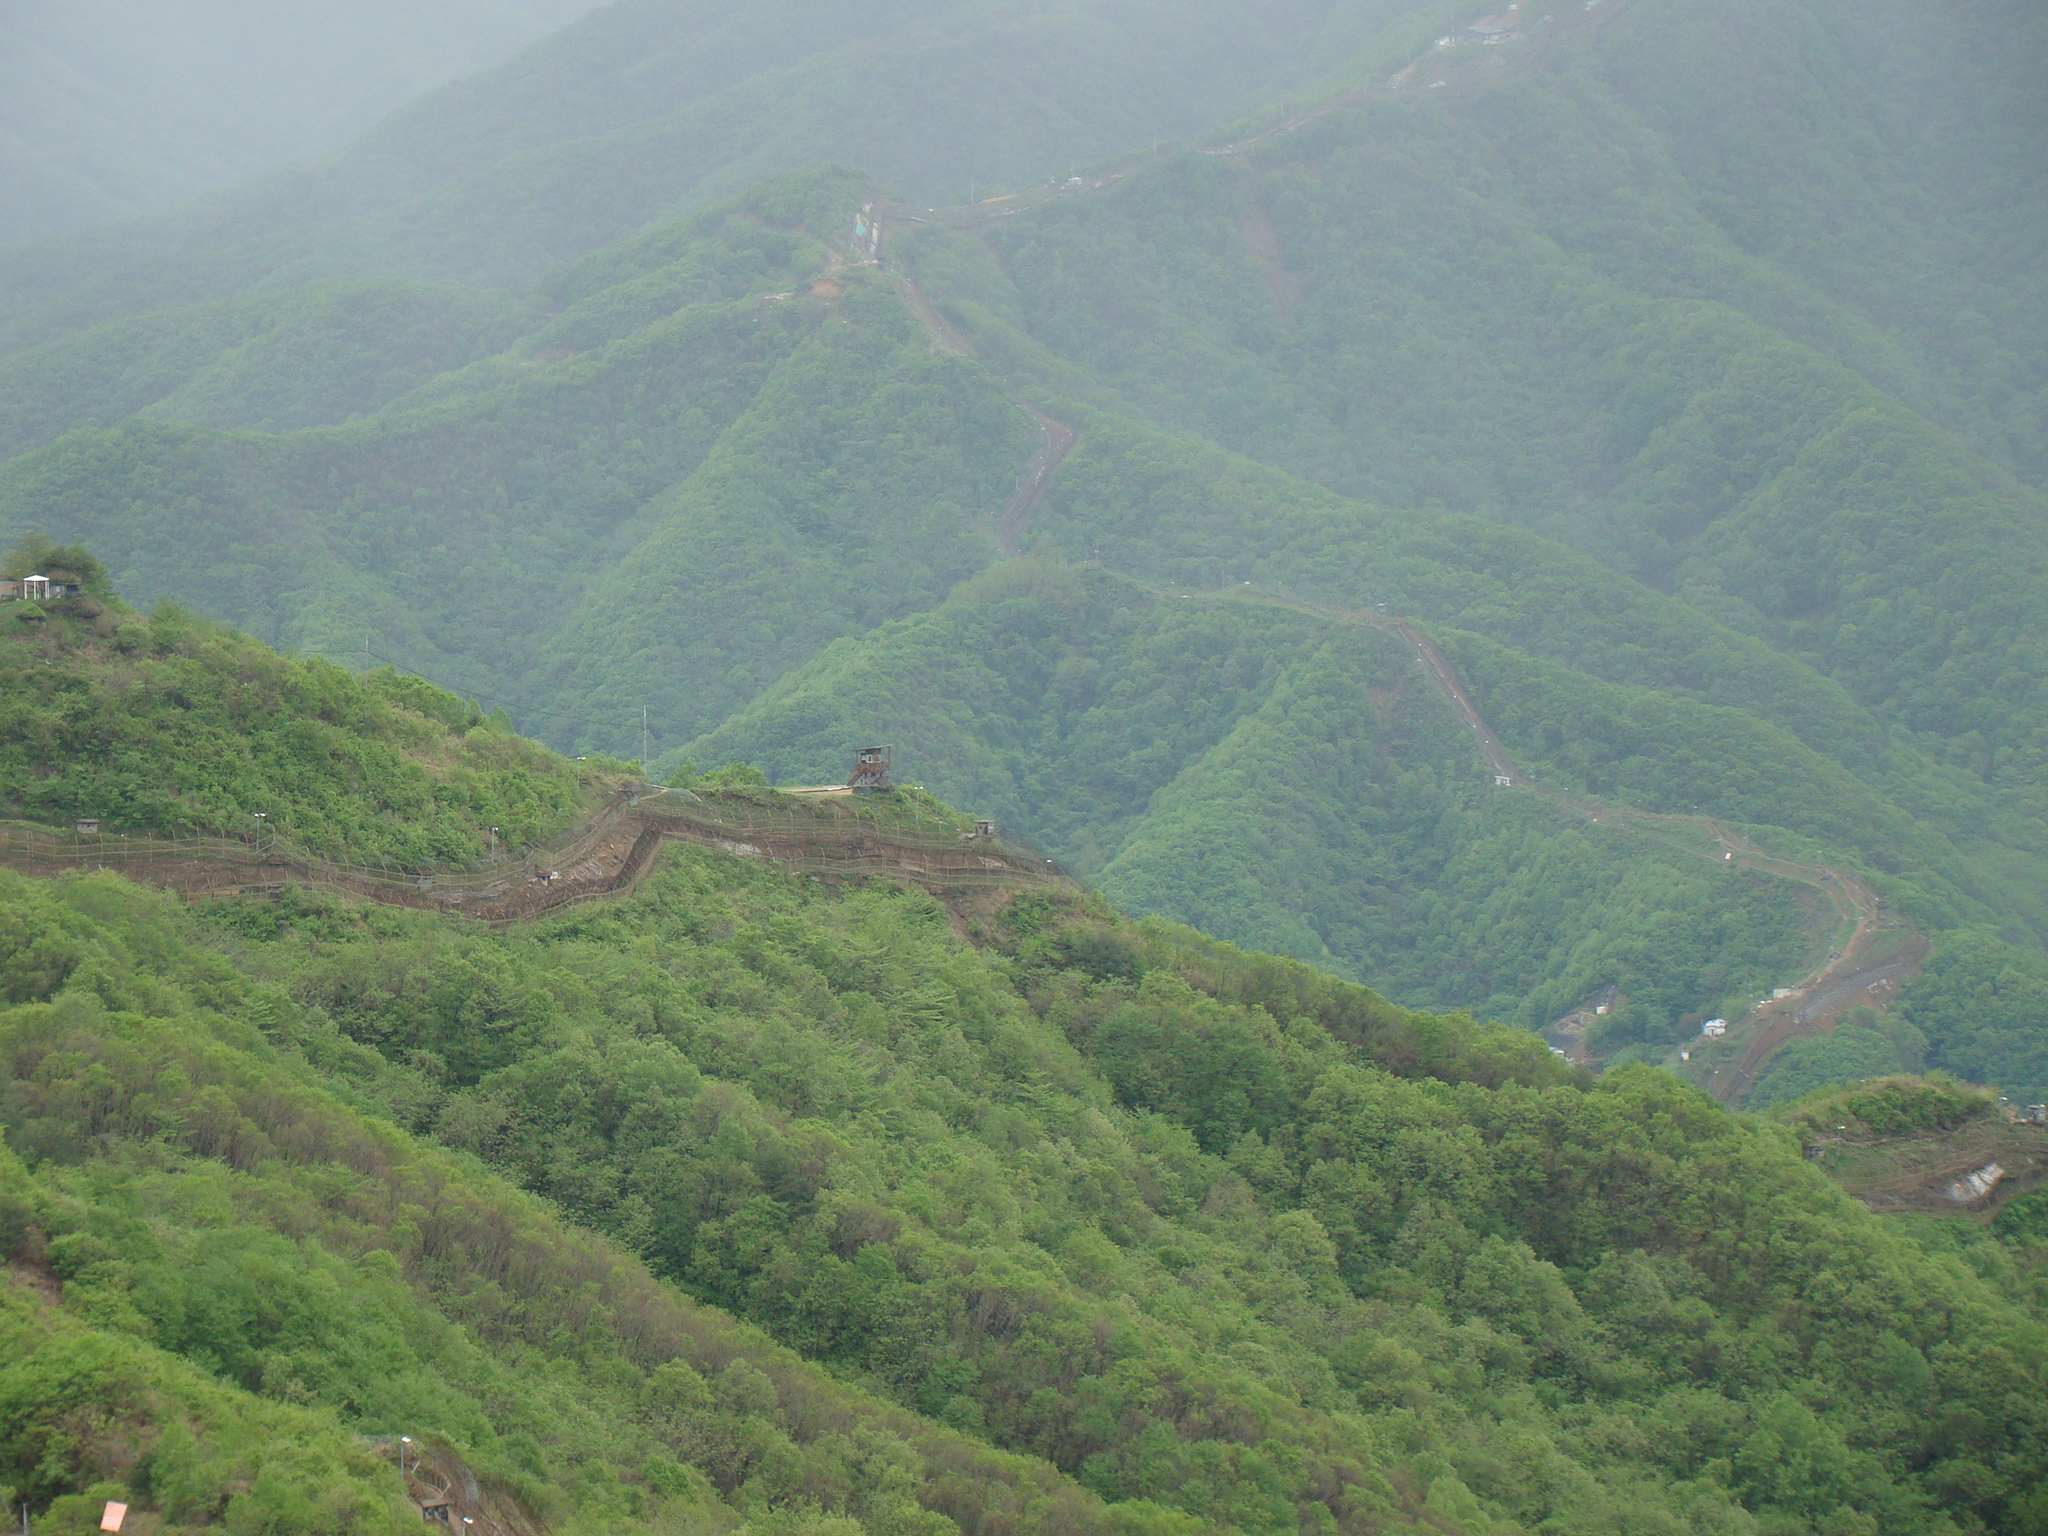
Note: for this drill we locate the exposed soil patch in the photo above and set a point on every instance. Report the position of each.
(1263, 242)
(1056, 441)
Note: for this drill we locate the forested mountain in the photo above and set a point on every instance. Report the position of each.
(651, 108)
(108, 110)
(1449, 524)
(174, 724)
(1712, 473)
(751, 1201)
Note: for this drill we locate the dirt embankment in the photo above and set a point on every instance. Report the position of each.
(1973, 1169)
(609, 854)
(449, 1495)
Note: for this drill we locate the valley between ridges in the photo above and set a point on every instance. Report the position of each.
(1864, 965)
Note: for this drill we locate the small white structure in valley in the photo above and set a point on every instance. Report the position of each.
(1713, 1029)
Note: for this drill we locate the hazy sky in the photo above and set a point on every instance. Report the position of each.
(110, 107)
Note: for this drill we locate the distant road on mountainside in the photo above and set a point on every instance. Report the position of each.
(1864, 967)
(1865, 964)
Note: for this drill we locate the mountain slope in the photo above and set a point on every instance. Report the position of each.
(259, 1285)
(676, 470)
(175, 725)
(1283, 783)
(649, 109)
(1231, 1244)
(830, 1115)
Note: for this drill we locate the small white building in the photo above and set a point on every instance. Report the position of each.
(1713, 1029)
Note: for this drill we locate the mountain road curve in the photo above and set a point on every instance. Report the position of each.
(1873, 953)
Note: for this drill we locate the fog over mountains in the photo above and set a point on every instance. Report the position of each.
(1460, 601)
(110, 108)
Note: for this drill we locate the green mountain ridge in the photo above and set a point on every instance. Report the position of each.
(690, 474)
(1642, 408)
(649, 110)
(1024, 1216)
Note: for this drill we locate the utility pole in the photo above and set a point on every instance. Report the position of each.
(366, 650)
(643, 741)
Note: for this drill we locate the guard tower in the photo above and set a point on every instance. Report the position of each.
(984, 828)
(871, 768)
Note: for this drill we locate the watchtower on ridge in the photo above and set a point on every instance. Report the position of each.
(871, 768)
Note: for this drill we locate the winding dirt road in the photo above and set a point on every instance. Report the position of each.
(1873, 952)
(1056, 438)
(1864, 967)
(608, 854)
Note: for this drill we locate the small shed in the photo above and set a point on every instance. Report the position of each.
(86, 826)
(984, 828)
(1713, 1029)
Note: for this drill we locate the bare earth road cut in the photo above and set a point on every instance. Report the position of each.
(1874, 951)
(608, 854)
(1057, 440)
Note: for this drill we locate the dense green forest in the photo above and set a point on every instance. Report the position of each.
(1288, 783)
(1113, 1212)
(172, 724)
(1714, 474)
(1449, 524)
(716, 450)
(1011, 1213)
